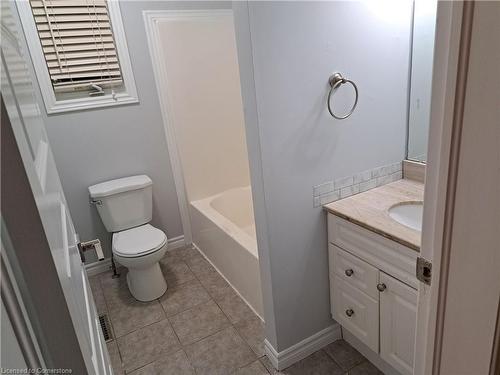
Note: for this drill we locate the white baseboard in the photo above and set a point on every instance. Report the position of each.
(302, 349)
(98, 267)
(102, 266)
(176, 243)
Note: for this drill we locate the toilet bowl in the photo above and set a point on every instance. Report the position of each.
(140, 250)
(125, 208)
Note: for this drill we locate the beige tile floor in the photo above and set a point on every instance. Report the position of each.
(200, 326)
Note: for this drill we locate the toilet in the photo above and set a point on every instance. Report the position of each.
(125, 208)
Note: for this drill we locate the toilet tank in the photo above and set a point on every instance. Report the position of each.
(123, 203)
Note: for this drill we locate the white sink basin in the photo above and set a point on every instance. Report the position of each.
(408, 213)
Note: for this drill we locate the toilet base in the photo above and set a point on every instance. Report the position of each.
(146, 284)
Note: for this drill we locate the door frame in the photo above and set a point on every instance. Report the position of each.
(451, 65)
(447, 42)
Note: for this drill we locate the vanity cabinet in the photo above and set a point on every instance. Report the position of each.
(373, 290)
(398, 313)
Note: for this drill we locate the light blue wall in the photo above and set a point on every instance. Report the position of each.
(291, 48)
(96, 145)
(287, 50)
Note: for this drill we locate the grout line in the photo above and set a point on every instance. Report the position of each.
(180, 312)
(220, 307)
(188, 359)
(333, 360)
(192, 307)
(138, 329)
(138, 368)
(187, 309)
(206, 337)
(246, 364)
(227, 281)
(211, 300)
(262, 364)
(175, 333)
(115, 337)
(167, 318)
(232, 325)
(339, 365)
(236, 329)
(157, 359)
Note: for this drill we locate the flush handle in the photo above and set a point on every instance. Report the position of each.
(95, 202)
(349, 312)
(349, 272)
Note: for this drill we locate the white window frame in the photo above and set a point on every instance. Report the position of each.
(58, 105)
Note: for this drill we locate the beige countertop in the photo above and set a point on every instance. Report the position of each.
(370, 210)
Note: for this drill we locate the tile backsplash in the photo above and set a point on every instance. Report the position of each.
(344, 187)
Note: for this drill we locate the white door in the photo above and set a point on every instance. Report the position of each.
(457, 330)
(29, 130)
(398, 313)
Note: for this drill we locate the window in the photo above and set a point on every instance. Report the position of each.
(79, 51)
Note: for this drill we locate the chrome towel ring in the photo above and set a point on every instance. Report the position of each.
(336, 80)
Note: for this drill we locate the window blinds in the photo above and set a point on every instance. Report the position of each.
(77, 42)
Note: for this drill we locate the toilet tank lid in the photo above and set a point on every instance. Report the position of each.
(119, 185)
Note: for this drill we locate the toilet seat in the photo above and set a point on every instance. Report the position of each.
(138, 241)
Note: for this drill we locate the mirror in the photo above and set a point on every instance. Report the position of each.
(424, 26)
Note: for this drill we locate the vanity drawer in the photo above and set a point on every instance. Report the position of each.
(356, 312)
(386, 255)
(353, 270)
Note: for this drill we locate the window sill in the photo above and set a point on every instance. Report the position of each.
(80, 104)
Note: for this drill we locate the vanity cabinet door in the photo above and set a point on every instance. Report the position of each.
(398, 318)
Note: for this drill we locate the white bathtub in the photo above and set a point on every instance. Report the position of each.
(224, 230)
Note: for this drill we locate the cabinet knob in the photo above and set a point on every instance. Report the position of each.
(349, 272)
(349, 312)
(381, 287)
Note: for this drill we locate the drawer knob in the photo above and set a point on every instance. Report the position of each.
(381, 287)
(349, 312)
(349, 272)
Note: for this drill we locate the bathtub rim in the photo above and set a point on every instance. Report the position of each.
(234, 231)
